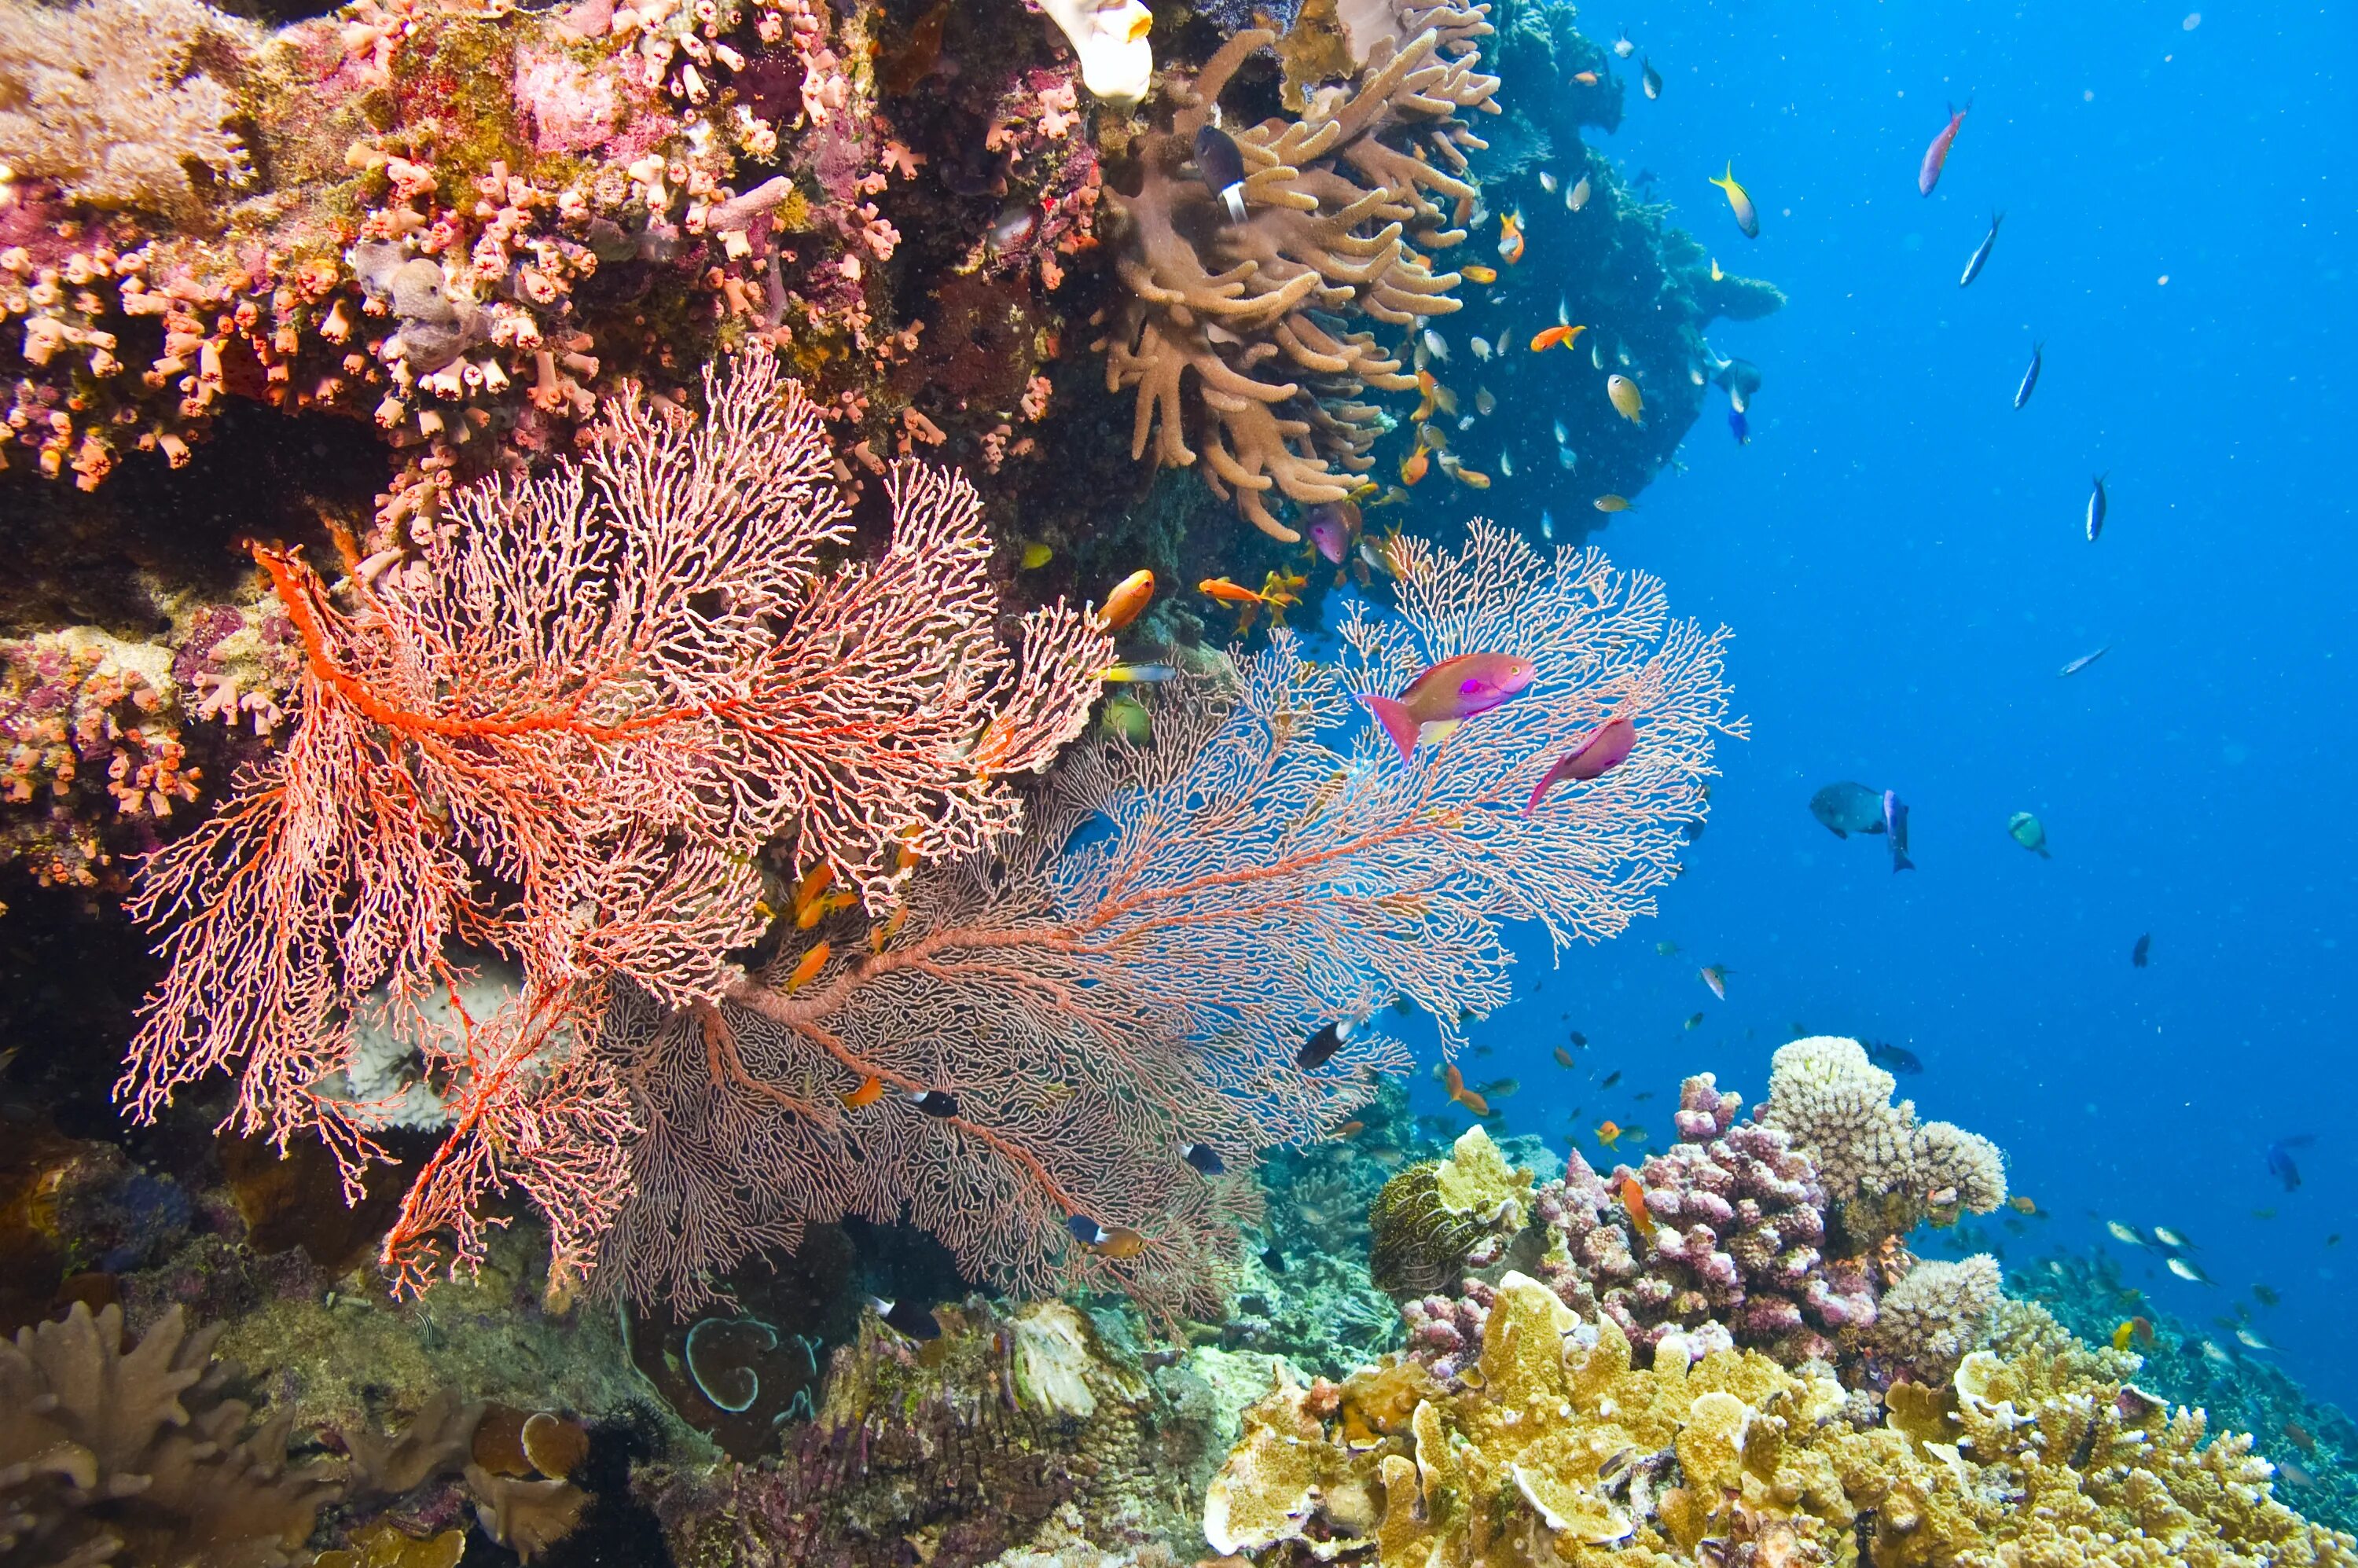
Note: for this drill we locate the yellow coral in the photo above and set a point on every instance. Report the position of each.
(1430, 1215)
(1560, 1452)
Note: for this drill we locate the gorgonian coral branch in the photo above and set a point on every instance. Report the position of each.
(1138, 968)
(561, 733)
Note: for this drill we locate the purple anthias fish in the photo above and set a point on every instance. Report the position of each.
(1332, 526)
(1895, 822)
(1603, 751)
(1447, 694)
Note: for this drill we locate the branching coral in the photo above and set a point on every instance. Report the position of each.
(134, 1455)
(103, 99)
(1139, 969)
(1884, 1170)
(1336, 225)
(562, 731)
(1935, 1313)
(1563, 1451)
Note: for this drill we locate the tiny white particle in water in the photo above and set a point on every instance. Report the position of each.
(2193, 20)
(2161, 281)
(2088, 96)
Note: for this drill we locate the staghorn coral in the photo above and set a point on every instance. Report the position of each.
(601, 694)
(135, 1456)
(1935, 1313)
(1884, 1170)
(1138, 968)
(103, 99)
(1337, 224)
(1563, 1451)
(1430, 1223)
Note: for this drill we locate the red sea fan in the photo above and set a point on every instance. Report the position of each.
(1138, 968)
(560, 733)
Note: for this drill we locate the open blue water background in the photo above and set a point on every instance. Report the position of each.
(1900, 554)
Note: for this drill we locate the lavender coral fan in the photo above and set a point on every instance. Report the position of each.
(102, 99)
(1138, 969)
(1337, 220)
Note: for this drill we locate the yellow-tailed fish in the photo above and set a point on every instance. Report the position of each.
(1748, 217)
(1510, 237)
(1121, 675)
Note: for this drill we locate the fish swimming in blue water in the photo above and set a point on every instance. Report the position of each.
(2083, 661)
(2031, 377)
(1738, 428)
(1895, 822)
(1846, 808)
(2144, 948)
(2280, 1163)
(1894, 1058)
(1982, 252)
(2097, 506)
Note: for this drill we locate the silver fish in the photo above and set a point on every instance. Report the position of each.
(1565, 456)
(1481, 347)
(1562, 435)
(2097, 506)
(1981, 255)
(1436, 345)
(2083, 661)
(1547, 182)
(2030, 376)
(2188, 1271)
(1577, 197)
(1505, 465)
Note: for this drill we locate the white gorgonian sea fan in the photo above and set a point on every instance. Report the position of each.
(1138, 968)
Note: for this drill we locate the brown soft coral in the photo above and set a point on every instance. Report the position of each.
(133, 1456)
(1334, 217)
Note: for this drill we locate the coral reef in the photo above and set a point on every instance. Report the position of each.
(1019, 1428)
(1258, 869)
(1927, 1322)
(1336, 224)
(1440, 1217)
(137, 1455)
(607, 690)
(1562, 1449)
(1884, 1170)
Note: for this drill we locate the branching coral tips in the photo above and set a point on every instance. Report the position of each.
(1447, 694)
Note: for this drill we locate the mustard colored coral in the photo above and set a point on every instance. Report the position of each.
(1557, 1450)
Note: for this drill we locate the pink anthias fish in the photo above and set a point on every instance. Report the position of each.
(1334, 528)
(1936, 156)
(1447, 694)
(1607, 748)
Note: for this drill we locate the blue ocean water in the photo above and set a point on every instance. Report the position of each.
(1900, 553)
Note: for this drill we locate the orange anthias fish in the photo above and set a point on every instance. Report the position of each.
(1602, 752)
(1129, 597)
(1510, 237)
(1936, 156)
(1456, 1082)
(1414, 466)
(890, 928)
(1715, 977)
(870, 1091)
(1543, 342)
(1585, 78)
(1228, 592)
(814, 882)
(1477, 273)
(1448, 694)
(1608, 1132)
(1351, 1129)
(1435, 395)
(808, 970)
(1633, 1204)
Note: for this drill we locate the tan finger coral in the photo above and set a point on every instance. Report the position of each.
(1341, 207)
(1885, 1170)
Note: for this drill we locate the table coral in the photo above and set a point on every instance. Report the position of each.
(1339, 222)
(1563, 1450)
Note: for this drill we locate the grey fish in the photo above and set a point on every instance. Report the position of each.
(1846, 808)
(1895, 822)
(2083, 661)
(2030, 376)
(2097, 506)
(1982, 252)
(1650, 78)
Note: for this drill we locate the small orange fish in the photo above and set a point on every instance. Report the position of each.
(808, 970)
(1129, 597)
(1435, 396)
(820, 909)
(806, 891)
(1478, 273)
(890, 929)
(1542, 342)
(1510, 237)
(1608, 1132)
(1633, 1203)
(1227, 593)
(1585, 78)
(1351, 1129)
(1562, 1057)
(870, 1091)
(1473, 479)
(2022, 1205)
(1613, 503)
(1715, 977)
(1115, 1241)
(1413, 466)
